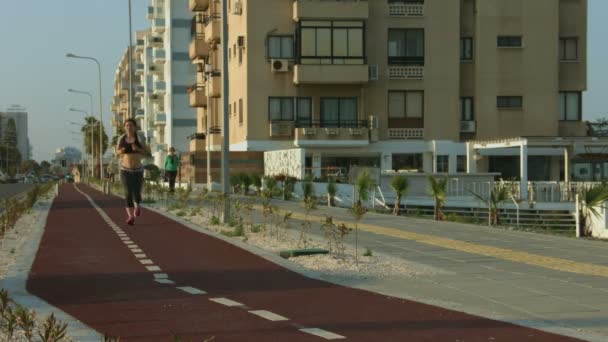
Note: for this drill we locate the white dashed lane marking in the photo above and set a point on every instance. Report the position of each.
(191, 290)
(271, 316)
(163, 278)
(226, 301)
(322, 333)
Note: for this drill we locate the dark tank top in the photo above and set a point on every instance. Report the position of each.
(128, 148)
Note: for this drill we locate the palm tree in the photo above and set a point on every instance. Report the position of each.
(439, 192)
(591, 199)
(332, 190)
(363, 183)
(500, 194)
(400, 185)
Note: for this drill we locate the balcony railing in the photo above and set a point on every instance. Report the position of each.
(139, 68)
(160, 87)
(198, 96)
(332, 124)
(198, 5)
(213, 28)
(198, 47)
(330, 9)
(405, 133)
(160, 119)
(406, 10)
(159, 55)
(139, 113)
(158, 25)
(405, 72)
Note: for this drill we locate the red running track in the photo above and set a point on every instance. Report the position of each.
(84, 268)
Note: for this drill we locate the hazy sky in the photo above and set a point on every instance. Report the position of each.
(36, 34)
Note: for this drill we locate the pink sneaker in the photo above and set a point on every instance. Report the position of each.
(131, 221)
(137, 212)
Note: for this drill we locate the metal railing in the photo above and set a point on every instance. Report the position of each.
(332, 124)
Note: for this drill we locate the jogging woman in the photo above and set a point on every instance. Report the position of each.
(131, 149)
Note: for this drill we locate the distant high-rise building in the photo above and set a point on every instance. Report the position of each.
(19, 114)
(67, 156)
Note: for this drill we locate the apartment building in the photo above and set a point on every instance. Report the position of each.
(396, 84)
(20, 115)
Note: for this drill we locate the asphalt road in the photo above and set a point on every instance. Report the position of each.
(10, 190)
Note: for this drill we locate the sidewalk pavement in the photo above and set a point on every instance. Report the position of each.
(160, 278)
(548, 282)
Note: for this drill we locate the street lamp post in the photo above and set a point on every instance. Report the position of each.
(131, 116)
(92, 137)
(226, 123)
(84, 148)
(71, 55)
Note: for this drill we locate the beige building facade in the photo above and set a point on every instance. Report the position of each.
(395, 84)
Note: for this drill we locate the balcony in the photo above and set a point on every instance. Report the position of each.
(199, 49)
(282, 128)
(150, 12)
(160, 119)
(397, 72)
(160, 87)
(322, 135)
(406, 10)
(215, 89)
(198, 96)
(140, 91)
(155, 41)
(405, 133)
(198, 5)
(139, 46)
(139, 69)
(330, 9)
(213, 29)
(330, 74)
(158, 25)
(140, 113)
(159, 55)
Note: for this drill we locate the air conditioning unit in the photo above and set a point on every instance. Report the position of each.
(279, 65)
(281, 129)
(467, 127)
(373, 72)
(238, 8)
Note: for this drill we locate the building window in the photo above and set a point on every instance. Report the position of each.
(509, 41)
(280, 47)
(339, 112)
(280, 108)
(240, 111)
(229, 109)
(240, 56)
(570, 106)
(402, 161)
(466, 49)
(406, 46)
(331, 42)
(443, 164)
(466, 109)
(568, 49)
(509, 102)
(405, 104)
(461, 164)
(303, 111)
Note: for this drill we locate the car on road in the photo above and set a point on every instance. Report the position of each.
(69, 178)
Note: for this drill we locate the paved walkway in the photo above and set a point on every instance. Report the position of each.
(159, 278)
(539, 280)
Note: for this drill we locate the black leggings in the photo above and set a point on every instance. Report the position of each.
(171, 175)
(132, 182)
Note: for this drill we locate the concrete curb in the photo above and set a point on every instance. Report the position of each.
(15, 283)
